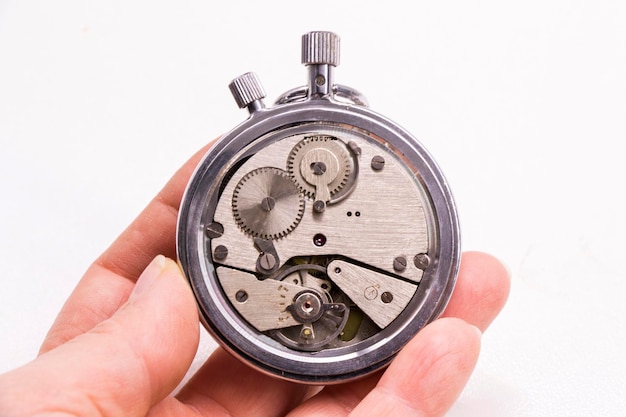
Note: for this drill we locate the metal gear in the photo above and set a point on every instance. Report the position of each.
(321, 319)
(320, 166)
(267, 203)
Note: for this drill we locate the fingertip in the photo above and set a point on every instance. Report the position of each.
(497, 275)
(149, 276)
(160, 323)
(123, 365)
(445, 336)
(481, 291)
(487, 262)
(448, 346)
(171, 310)
(477, 331)
(430, 372)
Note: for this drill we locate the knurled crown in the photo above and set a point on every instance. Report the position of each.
(246, 89)
(320, 48)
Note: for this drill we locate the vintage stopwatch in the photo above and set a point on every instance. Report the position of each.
(318, 236)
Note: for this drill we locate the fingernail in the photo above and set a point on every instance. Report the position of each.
(478, 331)
(149, 275)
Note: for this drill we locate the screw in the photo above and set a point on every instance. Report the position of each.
(241, 296)
(318, 168)
(399, 264)
(355, 148)
(386, 297)
(267, 261)
(214, 230)
(268, 203)
(421, 260)
(378, 162)
(220, 253)
(319, 206)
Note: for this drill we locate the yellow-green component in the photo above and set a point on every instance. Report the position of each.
(352, 325)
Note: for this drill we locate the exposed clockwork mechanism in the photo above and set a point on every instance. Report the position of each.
(321, 167)
(318, 236)
(267, 203)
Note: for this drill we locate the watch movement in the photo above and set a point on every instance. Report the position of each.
(318, 236)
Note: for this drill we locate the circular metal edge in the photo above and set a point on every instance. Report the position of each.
(440, 283)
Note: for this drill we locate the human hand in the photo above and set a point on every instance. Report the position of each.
(129, 331)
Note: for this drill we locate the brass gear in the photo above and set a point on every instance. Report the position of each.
(267, 203)
(319, 161)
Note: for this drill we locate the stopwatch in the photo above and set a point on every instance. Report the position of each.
(318, 236)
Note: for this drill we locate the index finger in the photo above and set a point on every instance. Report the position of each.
(153, 232)
(109, 280)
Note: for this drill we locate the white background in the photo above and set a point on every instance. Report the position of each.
(523, 105)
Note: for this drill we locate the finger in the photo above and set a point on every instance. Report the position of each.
(480, 293)
(117, 368)
(153, 232)
(423, 380)
(429, 373)
(337, 400)
(226, 385)
(481, 290)
(108, 282)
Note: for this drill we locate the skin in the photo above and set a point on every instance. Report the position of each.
(129, 331)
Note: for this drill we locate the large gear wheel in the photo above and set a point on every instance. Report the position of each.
(321, 319)
(267, 203)
(320, 166)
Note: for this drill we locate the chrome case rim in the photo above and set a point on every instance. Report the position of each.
(259, 350)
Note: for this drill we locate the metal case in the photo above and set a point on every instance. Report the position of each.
(318, 236)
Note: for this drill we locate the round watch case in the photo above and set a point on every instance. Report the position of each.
(318, 236)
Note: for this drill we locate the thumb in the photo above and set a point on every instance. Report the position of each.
(122, 366)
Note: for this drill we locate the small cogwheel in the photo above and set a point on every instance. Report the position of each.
(267, 203)
(320, 165)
